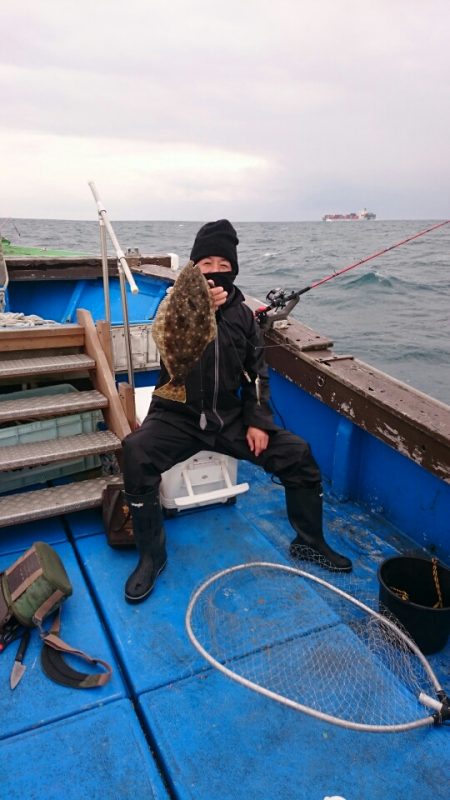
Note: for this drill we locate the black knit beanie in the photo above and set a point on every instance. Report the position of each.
(216, 239)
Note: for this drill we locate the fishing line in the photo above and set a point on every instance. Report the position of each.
(375, 255)
(280, 300)
(281, 303)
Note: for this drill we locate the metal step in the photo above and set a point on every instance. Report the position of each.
(28, 506)
(43, 406)
(42, 365)
(65, 448)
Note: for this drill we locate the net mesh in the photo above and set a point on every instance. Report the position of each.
(279, 629)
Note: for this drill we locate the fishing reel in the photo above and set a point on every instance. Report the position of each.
(281, 303)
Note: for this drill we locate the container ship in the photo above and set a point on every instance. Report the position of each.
(364, 214)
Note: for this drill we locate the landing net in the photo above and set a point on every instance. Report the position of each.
(298, 639)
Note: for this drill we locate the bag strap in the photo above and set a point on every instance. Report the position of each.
(23, 573)
(62, 672)
(46, 608)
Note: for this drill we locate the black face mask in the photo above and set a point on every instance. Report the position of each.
(224, 279)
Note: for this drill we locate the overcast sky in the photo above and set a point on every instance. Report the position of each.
(252, 109)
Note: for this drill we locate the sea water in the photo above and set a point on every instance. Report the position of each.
(392, 312)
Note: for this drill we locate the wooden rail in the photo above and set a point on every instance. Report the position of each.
(413, 423)
(102, 378)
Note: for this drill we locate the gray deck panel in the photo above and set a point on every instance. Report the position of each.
(53, 501)
(61, 449)
(42, 365)
(50, 406)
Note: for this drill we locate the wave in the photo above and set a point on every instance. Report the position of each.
(439, 356)
(391, 312)
(377, 278)
(373, 278)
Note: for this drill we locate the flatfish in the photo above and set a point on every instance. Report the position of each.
(184, 325)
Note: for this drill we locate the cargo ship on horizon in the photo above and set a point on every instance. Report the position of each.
(364, 214)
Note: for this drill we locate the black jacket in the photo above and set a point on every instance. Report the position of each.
(218, 385)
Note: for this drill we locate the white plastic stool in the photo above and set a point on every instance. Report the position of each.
(201, 480)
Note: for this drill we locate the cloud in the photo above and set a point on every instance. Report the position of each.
(280, 108)
(146, 175)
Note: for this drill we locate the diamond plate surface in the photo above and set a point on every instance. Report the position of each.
(51, 405)
(65, 499)
(63, 449)
(45, 364)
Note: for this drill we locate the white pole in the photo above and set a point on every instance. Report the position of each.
(124, 272)
(119, 252)
(4, 279)
(104, 252)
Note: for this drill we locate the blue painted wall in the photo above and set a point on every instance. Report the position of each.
(363, 468)
(58, 300)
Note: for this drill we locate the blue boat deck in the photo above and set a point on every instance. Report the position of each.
(166, 725)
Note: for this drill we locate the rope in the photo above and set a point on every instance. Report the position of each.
(400, 593)
(17, 319)
(439, 603)
(403, 595)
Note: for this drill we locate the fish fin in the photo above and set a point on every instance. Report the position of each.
(171, 391)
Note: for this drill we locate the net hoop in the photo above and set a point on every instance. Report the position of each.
(343, 723)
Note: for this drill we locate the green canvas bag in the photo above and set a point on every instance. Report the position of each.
(33, 588)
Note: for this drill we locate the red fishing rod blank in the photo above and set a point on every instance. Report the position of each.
(375, 255)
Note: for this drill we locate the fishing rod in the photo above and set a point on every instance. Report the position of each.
(281, 302)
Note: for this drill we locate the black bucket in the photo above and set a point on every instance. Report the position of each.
(428, 626)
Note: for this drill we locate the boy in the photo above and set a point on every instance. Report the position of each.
(227, 411)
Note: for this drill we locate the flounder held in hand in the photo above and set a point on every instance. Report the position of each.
(184, 325)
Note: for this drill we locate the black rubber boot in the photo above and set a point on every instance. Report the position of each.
(150, 542)
(304, 509)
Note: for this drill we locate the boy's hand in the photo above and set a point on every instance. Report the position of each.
(257, 440)
(218, 294)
